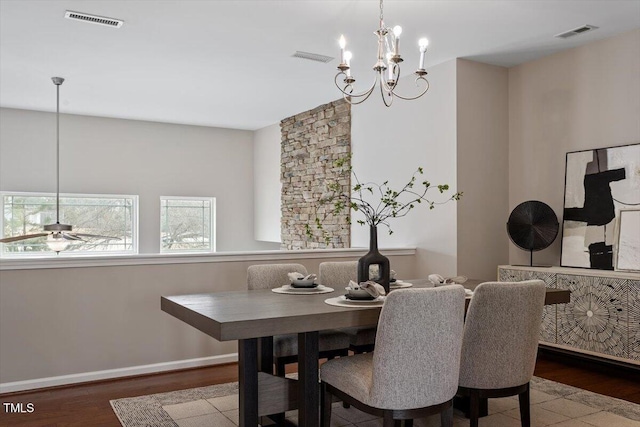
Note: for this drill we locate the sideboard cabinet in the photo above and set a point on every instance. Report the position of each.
(603, 317)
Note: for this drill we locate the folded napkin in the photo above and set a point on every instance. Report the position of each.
(374, 289)
(299, 276)
(295, 276)
(438, 280)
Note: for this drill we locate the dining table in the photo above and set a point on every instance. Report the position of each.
(254, 317)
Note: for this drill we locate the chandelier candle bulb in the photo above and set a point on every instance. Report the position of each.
(343, 43)
(423, 43)
(397, 30)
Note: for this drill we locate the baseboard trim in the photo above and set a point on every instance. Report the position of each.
(37, 383)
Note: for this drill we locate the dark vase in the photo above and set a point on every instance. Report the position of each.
(374, 257)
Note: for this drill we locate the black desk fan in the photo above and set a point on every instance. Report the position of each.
(532, 226)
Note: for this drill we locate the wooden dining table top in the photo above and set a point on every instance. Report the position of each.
(235, 315)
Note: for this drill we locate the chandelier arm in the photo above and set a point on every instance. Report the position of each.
(411, 98)
(389, 93)
(364, 94)
(368, 94)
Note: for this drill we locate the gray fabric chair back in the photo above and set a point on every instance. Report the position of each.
(501, 334)
(417, 357)
(269, 276)
(337, 274)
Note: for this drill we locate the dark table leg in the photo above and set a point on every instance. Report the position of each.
(265, 363)
(266, 355)
(248, 381)
(308, 389)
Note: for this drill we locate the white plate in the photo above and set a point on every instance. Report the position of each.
(399, 284)
(378, 300)
(287, 289)
(304, 289)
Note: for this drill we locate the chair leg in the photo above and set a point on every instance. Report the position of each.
(325, 405)
(388, 420)
(474, 407)
(280, 367)
(446, 417)
(525, 409)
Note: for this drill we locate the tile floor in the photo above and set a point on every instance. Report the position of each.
(546, 410)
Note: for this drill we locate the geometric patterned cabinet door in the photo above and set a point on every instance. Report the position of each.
(634, 319)
(596, 319)
(603, 317)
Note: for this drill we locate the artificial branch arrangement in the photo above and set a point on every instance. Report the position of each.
(376, 202)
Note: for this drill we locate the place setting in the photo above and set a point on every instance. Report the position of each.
(438, 280)
(365, 294)
(302, 285)
(397, 283)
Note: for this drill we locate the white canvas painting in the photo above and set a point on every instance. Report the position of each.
(599, 184)
(629, 241)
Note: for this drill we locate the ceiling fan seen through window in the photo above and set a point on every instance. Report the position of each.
(58, 235)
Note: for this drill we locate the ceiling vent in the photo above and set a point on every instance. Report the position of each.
(576, 31)
(313, 56)
(94, 19)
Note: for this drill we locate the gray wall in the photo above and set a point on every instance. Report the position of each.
(483, 170)
(391, 143)
(266, 183)
(65, 321)
(583, 98)
(114, 156)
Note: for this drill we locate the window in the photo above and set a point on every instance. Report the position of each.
(104, 215)
(187, 224)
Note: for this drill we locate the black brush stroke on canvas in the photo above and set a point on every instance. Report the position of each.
(598, 206)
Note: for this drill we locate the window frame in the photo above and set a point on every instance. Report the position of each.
(212, 226)
(135, 209)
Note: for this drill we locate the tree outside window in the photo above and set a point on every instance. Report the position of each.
(187, 224)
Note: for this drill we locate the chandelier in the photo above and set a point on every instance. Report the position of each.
(387, 67)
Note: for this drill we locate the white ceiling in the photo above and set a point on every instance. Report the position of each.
(229, 64)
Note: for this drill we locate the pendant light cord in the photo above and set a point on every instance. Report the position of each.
(57, 154)
(57, 81)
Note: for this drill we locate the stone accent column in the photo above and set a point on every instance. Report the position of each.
(311, 142)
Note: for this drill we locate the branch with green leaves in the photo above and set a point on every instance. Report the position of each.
(378, 203)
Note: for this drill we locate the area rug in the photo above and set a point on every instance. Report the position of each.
(552, 404)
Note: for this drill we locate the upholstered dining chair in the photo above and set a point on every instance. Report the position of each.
(500, 343)
(332, 343)
(337, 274)
(413, 371)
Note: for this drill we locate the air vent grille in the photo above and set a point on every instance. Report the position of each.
(313, 56)
(576, 31)
(94, 19)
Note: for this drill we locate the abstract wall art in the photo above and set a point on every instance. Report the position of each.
(598, 184)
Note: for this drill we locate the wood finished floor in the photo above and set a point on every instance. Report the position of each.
(88, 405)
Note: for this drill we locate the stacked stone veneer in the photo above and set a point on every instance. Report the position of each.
(311, 143)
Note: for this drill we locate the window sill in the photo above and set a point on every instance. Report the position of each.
(194, 258)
